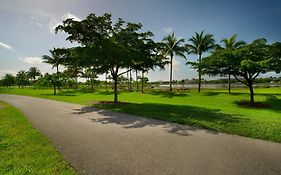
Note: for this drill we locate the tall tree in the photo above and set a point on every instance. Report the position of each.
(109, 47)
(231, 44)
(34, 72)
(173, 47)
(200, 43)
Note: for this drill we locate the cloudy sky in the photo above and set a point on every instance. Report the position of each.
(27, 26)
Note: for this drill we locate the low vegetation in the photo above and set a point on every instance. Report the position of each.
(23, 150)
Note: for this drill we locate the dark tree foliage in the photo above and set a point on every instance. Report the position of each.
(230, 44)
(33, 73)
(108, 47)
(22, 79)
(247, 62)
(8, 80)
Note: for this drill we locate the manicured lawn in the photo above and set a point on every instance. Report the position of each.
(212, 109)
(23, 150)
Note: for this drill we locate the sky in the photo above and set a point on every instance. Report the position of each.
(27, 26)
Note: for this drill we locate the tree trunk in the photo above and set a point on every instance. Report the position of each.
(199, 73)
(171, 72)
(252, 101)
(142, 76)
(229, 83)
(130, 80)
(55, 91)
(106, 81)
(58, 74)
(92, 86)
(34, 82)
(115, 89)
(76, 83)
(137, 81)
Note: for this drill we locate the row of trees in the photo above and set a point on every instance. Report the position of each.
(118, 48)
(22, 79)
(245, 62)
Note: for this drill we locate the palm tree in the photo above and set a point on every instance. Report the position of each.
(55, 59)
(172, 46)
(33, 73)
(200, 43)
(231, 44)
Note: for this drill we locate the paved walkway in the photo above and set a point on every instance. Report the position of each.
(104, 142)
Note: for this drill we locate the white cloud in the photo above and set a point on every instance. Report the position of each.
(6, 46)
(53, 23)
(168, 30)
(31, 60)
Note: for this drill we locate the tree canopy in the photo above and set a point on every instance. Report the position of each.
(111, 47)
(247, 62)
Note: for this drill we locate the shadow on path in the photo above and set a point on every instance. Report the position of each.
(199, 117)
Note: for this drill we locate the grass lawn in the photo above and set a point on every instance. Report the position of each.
(23, 150)
(212, 109)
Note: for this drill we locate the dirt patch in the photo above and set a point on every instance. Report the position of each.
(246, 104)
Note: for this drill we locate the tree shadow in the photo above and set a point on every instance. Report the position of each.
(213, 93)
(193, 116)
(272, 103)
(168, 94)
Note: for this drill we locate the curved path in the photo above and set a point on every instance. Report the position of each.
(104, 142)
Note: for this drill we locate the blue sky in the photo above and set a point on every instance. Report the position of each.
(26, 31)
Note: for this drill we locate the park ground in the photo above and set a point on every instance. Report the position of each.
(23, 150)
(212, 109)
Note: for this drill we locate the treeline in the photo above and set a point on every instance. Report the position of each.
(67, 80)
(22, 79)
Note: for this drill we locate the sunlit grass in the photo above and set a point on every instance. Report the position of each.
(212, 109)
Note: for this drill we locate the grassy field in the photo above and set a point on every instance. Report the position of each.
(23, 150)
(212, 109)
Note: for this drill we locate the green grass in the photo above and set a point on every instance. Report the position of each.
(212, 109)
(23, 150)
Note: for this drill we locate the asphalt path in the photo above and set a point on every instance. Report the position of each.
(99, 141)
